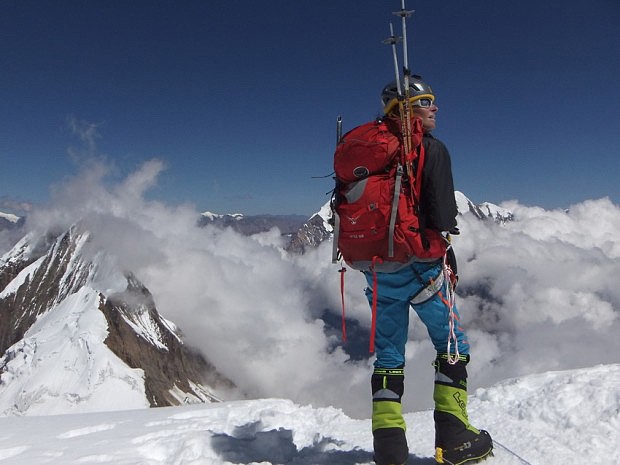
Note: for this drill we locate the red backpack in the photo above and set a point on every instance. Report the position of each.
(376, 199)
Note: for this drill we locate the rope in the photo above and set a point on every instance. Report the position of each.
(515, 455)
(510, 451)
(449, 301)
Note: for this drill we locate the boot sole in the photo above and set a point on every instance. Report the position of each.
(467, 461)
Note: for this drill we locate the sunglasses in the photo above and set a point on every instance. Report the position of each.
(423, 102)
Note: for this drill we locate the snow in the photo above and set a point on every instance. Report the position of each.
(462, 202)
(494, 211)
(144, 325)
(22, 277)
(213, 216)
(9, 217)
(326, 213)
(62, 364)
(22, 250)
(487, 209)
(554, 418)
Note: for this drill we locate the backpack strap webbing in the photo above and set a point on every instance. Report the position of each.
(394, 213)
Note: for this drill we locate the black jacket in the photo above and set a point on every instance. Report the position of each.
(437, 201)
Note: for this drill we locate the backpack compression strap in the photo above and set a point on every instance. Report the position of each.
(394, 213)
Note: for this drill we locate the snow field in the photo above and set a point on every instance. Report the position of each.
(554, 418)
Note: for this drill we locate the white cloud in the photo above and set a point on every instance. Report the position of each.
(252, 310)
(540, 293)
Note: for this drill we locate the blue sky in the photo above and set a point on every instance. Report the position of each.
(239, 99)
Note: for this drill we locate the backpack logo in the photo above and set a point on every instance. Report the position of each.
(352, 220)
(361, 172)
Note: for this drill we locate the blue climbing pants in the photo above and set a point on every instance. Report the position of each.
(395, 292)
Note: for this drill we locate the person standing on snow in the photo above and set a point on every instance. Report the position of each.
(420, 284)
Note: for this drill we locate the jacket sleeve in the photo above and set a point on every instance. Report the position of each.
(437, 199)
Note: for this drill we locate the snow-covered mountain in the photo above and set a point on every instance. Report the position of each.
(9, 221)
(253, 224)
(9, 218)
(313, 232)
(554, 418)
(74, 327)
(210, 216)
(484, 211)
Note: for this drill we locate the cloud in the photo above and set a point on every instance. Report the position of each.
(17, 207)
(253, 310)
(540, 293)
(87, 133)
(535, 294)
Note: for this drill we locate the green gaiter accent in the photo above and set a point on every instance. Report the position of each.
(386, 414)
(387, 391)
(452, 400)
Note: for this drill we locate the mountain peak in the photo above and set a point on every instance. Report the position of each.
(215, 216)
(66, 338)
(9, 217)
(485, 210)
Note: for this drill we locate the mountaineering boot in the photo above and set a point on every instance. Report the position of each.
(388, 425)
(456, 441)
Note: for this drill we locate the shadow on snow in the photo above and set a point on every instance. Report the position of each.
(277, 447)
